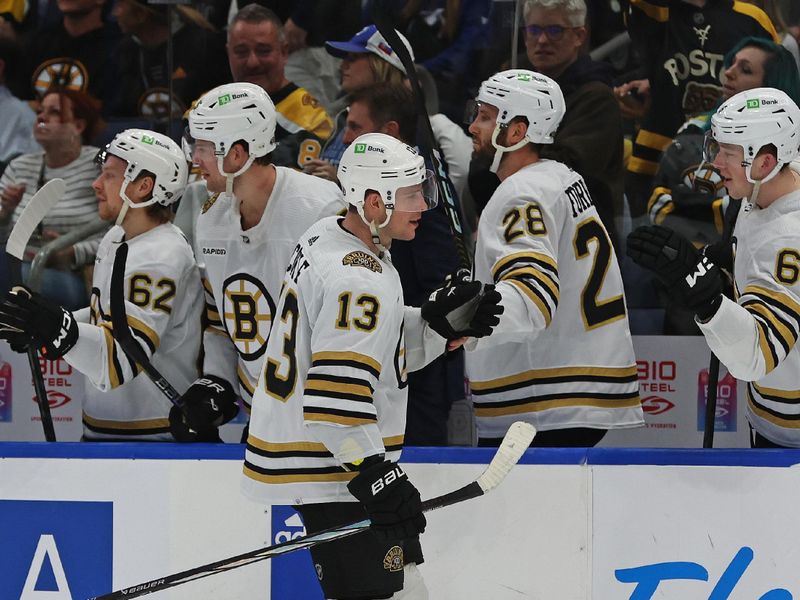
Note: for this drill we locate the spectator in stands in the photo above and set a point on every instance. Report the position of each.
(366, 60)
(198, 61)
(75, 54)
(589, 139)
(257, 53)
(668, 36)
(66, 121)
(689, 195)
(310, 24)
(422, 263)
(16, 126)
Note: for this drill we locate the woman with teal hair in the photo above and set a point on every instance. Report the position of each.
(689, 195)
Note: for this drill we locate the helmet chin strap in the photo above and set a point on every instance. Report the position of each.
(500, 150)
(127, 203)
(758, 182)
(229, 177)
(374, 228)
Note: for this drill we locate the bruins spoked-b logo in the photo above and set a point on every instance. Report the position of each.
(63, 72)
(393, 561)
(247, 311)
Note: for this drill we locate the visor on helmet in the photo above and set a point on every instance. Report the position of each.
(418, 197)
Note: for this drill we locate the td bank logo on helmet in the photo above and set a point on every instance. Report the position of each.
(362, 148)
(756, 102)
(151, 141)
(228, 98)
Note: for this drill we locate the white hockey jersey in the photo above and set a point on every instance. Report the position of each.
(242, 270)
(333, 386)
(164, 305)
(562, 354)
(755, 337)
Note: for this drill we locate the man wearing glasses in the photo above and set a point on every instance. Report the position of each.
(589, 139)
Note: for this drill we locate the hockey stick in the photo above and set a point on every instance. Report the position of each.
(516, 441)
(122, 333)
(380, 14)
(29, 219)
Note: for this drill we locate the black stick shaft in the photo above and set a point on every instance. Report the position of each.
(711, 402)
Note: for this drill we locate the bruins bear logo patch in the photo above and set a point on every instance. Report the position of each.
(362, 259)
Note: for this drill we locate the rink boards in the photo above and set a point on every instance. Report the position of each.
(606, 524)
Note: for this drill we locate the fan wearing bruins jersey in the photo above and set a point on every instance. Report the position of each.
(561, 357)
(329, 412)
(753, 139)
(145, 172)
(244, 236)
(682, 44)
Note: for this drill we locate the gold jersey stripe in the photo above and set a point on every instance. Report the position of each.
(650, 139)
(764, 345)
(759, 15)
(536, 256)
(538, 406)
(657, 13)
(768, 416)
(115, 378)
(145, 330)
(347, 356)
(786, 335)
(396, 440)
(127, 425)
(792, 307)
(538, 275)
(783, 394)
(543, 307)
(344, 388)
(641, 165)
(534, 374)
(338, 419)
(300, 478)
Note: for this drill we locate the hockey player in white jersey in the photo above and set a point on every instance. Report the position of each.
(142, 174)
(754, 136)
(329, 412)
(243, 239)
(561, 357)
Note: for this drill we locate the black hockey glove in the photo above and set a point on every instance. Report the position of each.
(701, 290)
(26, 319)
(208, 403)
(668, 254)
(463, 310)
(182, 433)
(392, 502)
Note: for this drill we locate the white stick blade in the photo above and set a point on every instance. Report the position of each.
(34, 212)
(517, 439)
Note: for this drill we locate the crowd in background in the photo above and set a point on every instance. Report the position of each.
(639, 78)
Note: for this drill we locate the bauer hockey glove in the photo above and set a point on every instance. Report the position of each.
(392, 502)
(26, 319)
(669, 255)
(463, 310)
(208, 403)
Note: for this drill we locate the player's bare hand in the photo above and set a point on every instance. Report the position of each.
(456, 344)
(320, 168)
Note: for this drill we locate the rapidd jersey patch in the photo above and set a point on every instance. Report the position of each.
(209, 203)
(362, 259)
(393, 561)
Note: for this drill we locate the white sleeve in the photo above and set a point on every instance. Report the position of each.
(150, 289)
(753, 335)
(524, 268)
(423, 344)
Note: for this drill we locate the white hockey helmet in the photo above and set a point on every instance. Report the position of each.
(156, 153)
(522, 93)
(231, 113)
(376, 161)
(753, 119)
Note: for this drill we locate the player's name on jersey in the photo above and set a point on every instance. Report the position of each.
(579, 197)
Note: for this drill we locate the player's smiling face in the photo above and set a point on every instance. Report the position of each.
(203, 156)
(728, 162)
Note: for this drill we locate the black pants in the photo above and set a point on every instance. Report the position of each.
(358, 567)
